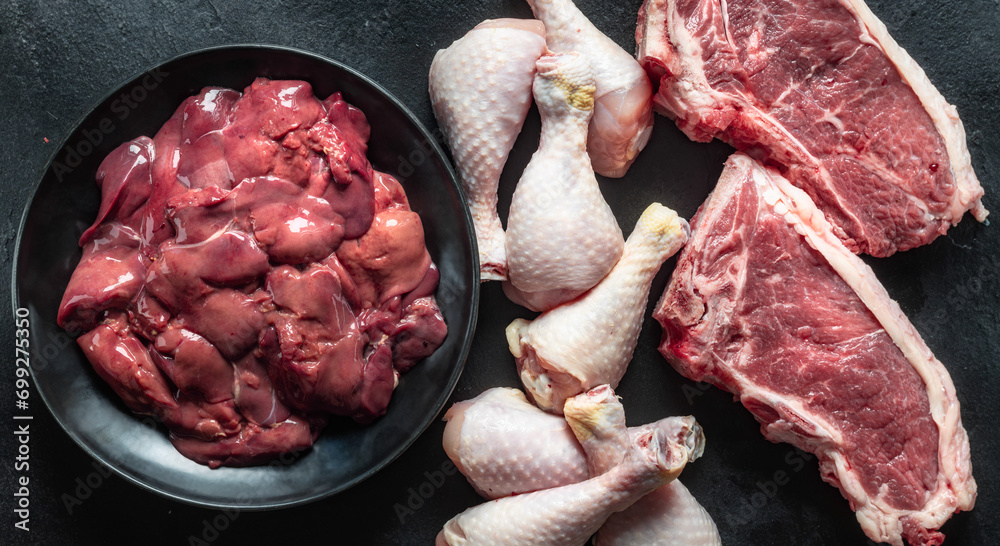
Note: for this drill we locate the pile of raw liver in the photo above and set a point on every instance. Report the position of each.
(249, 274)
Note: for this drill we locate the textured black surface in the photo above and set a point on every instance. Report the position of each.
(60, 58)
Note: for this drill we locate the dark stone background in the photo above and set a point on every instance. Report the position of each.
(59, 58)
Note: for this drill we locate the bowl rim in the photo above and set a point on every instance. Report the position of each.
(467, 333)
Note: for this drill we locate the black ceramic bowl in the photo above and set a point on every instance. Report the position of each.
(66, 200)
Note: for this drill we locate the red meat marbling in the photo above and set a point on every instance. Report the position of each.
(249, 274)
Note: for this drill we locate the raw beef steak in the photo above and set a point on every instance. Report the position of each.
(821, 90)
(767, 303)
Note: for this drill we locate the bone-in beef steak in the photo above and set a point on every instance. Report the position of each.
(767, 303)
(820, 89)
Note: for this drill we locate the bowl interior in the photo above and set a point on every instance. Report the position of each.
(66, 200)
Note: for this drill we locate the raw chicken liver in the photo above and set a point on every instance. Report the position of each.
(249, 273)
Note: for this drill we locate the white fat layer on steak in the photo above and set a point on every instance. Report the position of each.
(693, 88)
